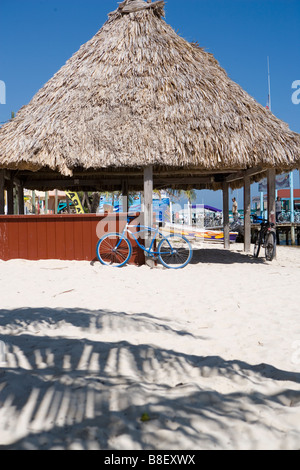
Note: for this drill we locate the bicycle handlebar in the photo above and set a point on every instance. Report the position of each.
(263, 221)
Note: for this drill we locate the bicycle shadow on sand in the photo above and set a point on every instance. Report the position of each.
(210, 255)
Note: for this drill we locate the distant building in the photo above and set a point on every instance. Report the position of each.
(285, 196)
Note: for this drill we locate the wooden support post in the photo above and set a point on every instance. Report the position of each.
(293, 235)
(47, 202)
(10, 197)
(226, 215)
(125, 203)
(271, 175)
(21, 199)
(33, 208)
(85, 200)
(16, 200)
(95, 202)
(2, 199)
(56, 201)
(247, 214)
(148, 208)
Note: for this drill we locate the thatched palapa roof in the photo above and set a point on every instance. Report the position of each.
(138, 94)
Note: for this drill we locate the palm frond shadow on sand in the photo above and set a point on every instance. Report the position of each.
(59, 392)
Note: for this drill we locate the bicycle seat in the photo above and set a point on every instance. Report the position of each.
(130, 218)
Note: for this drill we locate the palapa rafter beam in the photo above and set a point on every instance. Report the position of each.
(244, 173)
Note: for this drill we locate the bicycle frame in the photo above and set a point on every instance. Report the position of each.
(145, 229)
(262, 239)
(264, 230)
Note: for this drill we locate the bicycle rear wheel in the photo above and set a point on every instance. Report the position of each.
(175, 252)
(114, 250)
(257, 243)
(270, 246)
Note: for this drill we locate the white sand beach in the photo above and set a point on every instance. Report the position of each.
(209, 355)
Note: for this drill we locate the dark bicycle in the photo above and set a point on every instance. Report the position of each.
(265, 237)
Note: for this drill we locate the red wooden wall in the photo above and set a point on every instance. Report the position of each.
(64, 237)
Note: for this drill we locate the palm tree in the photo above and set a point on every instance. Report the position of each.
(191, 196)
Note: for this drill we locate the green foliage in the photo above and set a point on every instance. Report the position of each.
(145, 417)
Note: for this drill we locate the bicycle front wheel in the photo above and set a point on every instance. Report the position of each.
(113, 250)
(175, 252)
(270, 246)
(257, 243)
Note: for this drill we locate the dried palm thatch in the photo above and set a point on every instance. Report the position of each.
(138, 94)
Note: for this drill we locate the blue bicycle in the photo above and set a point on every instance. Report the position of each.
(115, 249)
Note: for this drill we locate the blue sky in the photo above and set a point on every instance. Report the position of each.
(38, 36)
